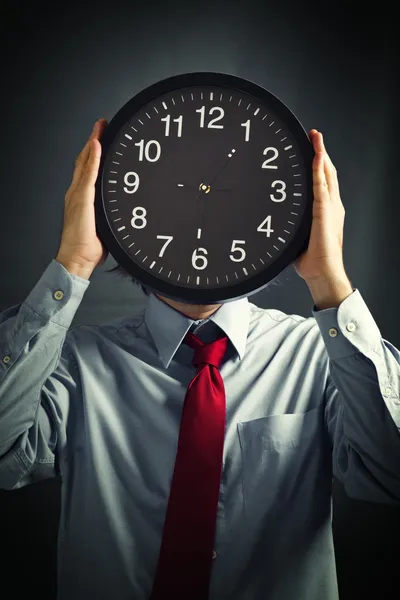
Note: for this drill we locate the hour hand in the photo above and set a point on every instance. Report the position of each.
(202, 187)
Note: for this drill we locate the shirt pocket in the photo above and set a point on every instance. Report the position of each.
(283, 457)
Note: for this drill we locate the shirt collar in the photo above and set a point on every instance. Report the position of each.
(168, 326)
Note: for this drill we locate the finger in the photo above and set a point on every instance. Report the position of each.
(329, 169)
(320, 186)
(91, 169)
(83, 156)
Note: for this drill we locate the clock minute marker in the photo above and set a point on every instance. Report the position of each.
(164, 105)
(288, 147)
(256, 111)
(121, 228)
(296, 203)
(197, 280)
(198, 234)
(152, 264)
(245, 271)
(271, 123)
(282, 240)
(128, 136)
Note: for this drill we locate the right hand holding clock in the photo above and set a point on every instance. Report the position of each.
(81, 250)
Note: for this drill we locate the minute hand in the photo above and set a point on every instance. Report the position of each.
(231, 153)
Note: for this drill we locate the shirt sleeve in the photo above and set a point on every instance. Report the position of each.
(362, 406)
(37, 380)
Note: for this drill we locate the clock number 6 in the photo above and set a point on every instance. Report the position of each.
(198, 257)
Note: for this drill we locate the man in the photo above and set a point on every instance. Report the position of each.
(102, 406)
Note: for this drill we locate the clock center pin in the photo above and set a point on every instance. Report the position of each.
(204, 188)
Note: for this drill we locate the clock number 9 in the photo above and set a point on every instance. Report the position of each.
(135, 183)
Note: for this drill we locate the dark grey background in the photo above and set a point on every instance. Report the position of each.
(64, 66)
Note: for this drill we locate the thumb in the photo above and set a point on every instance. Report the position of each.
(91, 169)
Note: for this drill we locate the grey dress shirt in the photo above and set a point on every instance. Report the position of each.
(100, 405)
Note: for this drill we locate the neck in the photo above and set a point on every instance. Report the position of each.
(193, 311)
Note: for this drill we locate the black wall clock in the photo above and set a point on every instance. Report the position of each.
(204, 192)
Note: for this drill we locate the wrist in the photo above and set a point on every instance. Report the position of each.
(329, 292)
(75, 268)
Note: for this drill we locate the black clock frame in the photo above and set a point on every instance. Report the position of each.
(228, 293)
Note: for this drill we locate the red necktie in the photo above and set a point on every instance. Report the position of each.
(185, 559)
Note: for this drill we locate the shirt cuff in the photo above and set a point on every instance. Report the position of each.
(58, 294)
(349, 328)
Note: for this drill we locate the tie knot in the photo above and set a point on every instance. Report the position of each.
(210, 354)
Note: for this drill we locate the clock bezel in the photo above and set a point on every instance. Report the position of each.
(226, 293)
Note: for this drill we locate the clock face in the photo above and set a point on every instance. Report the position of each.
(204, 191)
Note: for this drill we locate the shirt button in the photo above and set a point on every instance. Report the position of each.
(388, 391)
(6, 359)
(351, 327)
(58, 295)
(333, 332)
(214, 554)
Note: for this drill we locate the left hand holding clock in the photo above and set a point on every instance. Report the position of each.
(321, 265)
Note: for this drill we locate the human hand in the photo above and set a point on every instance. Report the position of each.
(81, 251)
(323, 258)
